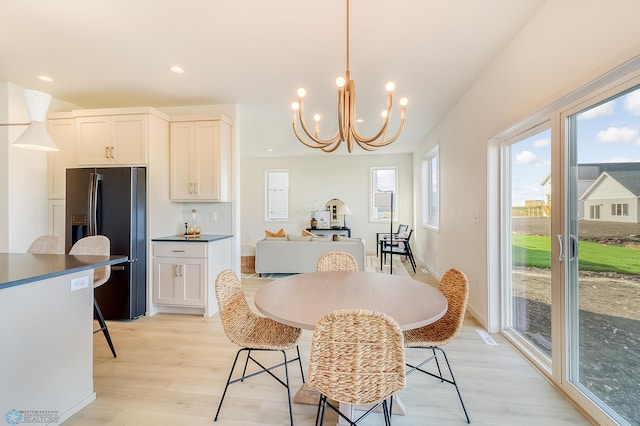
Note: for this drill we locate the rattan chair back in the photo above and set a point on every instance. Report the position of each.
(243, 326)
(357, 357)
(47, 244)
(455, 287)
(336, 261)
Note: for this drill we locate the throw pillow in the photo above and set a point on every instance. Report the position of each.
(306, 233)
(321, 238)
(292, 237)
(279, 233)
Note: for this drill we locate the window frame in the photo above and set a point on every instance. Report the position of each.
(374, 216)
(267, 196)
(428, 192)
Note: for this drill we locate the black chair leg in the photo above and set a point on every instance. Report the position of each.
(455, 384)
(103, 326)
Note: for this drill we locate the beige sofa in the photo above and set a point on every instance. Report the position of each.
(279, 256)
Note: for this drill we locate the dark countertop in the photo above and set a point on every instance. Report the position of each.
(202, 238)
(22, 268)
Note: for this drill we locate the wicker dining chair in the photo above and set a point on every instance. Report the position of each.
(47, 244)
(97, 245)
(336, 261)
(455, 286)
(253, 332)
(357, 357)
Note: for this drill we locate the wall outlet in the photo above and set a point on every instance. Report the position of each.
(214, 216)
(79, 283)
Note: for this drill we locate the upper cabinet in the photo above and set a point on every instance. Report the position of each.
(62, 129)
(200, 159)
(112, 139)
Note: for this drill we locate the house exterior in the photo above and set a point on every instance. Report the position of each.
(614, 196)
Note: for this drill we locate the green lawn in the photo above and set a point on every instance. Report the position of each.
(535, 250)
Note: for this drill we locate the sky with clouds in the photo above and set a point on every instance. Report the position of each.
(607, 133)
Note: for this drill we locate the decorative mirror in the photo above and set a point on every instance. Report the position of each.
(333, 206)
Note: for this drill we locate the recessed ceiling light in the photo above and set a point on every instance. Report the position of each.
(177, 69)
(45, 78)
(269, 149)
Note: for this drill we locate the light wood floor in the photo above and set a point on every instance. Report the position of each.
(171, 370)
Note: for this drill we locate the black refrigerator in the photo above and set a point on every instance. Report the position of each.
(112, 201)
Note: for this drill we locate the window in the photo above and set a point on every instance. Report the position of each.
(431, 189)
(277, 195)
(383, 180)
(620, 209)
(594, 212)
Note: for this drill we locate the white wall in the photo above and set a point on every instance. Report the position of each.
(566, 44)
(321, 178)
(23, 181)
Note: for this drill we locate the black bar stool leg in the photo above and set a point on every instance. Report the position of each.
(103, 327)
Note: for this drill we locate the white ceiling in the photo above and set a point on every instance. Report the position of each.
(256, 53)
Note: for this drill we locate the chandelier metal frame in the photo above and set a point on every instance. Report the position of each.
(347, 128)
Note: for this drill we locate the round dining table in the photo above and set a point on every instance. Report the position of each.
(302, 300)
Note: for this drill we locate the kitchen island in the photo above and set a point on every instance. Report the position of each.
(46, 361)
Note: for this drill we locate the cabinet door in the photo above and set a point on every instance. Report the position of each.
(194, 282)
(167, 286)
(129, 139)
(181, 154)
(63, 133)
(56, 218)
(206, 167)
(93, 141)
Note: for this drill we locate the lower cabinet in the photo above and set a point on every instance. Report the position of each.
(184, 275)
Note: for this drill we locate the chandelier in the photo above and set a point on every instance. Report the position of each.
(347, 128)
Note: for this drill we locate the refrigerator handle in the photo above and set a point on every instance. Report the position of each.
(93, 203)
(90, 208)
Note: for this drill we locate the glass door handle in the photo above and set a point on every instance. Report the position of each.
(561, 255)
(573, 249)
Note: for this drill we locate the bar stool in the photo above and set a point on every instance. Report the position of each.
(47, 244)
(97, 245)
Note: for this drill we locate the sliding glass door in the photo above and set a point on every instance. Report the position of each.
(571, 258)
(603, 253)
(529, 216)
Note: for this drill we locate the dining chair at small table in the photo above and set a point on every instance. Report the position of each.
(253, 332)
(399, 246)
(336, 261)
(402, 230)
(455, 286)
(357, 357)
(97, 245)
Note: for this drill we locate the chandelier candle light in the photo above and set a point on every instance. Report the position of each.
(347, 129)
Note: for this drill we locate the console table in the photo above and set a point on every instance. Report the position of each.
(331, 231)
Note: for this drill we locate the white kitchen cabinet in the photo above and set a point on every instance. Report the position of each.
(180, 281)
(184, 274)
(63, 133)
(56, 224)
(200, 160)
(112, 140)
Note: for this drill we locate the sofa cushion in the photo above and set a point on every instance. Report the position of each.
(279, 233)
(292, 237)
